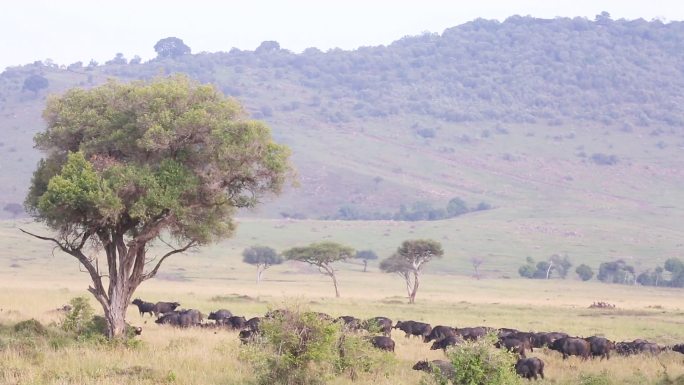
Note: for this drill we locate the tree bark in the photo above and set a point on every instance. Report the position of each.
(334, 279)
(365, 265)
(414, 291)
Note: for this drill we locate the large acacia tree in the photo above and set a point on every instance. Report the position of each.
(322, 255)
(409, 260)
(129, 166)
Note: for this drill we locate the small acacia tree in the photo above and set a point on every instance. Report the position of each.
(584, 272)
(126, 164)
(409, 260)
(365, 256)
(262, 257)
(322, 255)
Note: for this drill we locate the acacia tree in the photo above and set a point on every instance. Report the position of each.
(322, 255)
(365, 256)
(262, 257)
(409, 260)
(171, 47)
(127, 164)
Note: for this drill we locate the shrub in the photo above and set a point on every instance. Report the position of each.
(80, 317)
(480, 363)
(30, 326)
(300, 348)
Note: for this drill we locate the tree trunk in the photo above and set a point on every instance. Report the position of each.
(258, 275)
(548, 271)
(414, 291)
(334, 279)
(477, 273)
(365, 265)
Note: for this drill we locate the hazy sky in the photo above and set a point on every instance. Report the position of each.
(68, 31)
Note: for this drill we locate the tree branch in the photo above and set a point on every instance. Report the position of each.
(153, 272)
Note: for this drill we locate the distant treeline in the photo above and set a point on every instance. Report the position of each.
(419, 211)
(525, 70)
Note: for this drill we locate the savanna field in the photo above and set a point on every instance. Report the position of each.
(36, 281)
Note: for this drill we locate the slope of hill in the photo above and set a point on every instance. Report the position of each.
(543, 119)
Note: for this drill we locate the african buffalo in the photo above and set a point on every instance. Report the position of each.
(235, 322)
(473, 334)
(381, 324)
(600, 346)
(382, 343)
(413, 328)
(349, 322)
(530, 368)
(513, 345)
(440, 332)
(539, 340)
(253, 324)
(572, 346)
(143, 307)
(679, 348)
(444, 368)
(220, 315)
(164, 307)
(447, 341)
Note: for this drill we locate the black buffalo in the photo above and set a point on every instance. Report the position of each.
(247, 336)
(440, 332)
(539, 340)
(220, 315)
(349, 322)
(530, 368)
(164, 307)
(600, 346)
(383, 343)
(679, 348)
(473, 334)
(413, 328)
(572, 346)
(379, 324)
(447, 341)
(143, 307)
(513, 345)
(235, 322)
(253, 324)
(184, 319)
(445, 368)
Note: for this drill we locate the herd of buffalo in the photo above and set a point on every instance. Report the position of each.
(441, 337)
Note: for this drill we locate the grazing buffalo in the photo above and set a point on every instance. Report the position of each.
(447, 341)
(513, 345)
(383, 343)
(473, 334)
(413, 328)
(526, 338)
(572, 346)
(445, 368)
(440, 332)
(637, 346)
(679, 348)
(253, 324)
(235, 322)
(164, 307)
(247, 336)
(530, 368)
(349, 322)
(184, 318)
(600, 346)
(505, 332)
(539, 340)
(220, 315)
(379, 324)
(143, 307)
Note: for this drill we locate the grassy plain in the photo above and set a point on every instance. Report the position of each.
(34, 282)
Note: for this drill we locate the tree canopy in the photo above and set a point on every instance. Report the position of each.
(409, 261)
(126, 164)
(171, 47)
(262, 257)
(322, 255)
(365, 256)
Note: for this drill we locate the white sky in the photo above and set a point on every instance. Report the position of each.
(68, 31)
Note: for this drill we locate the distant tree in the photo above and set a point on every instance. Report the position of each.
(322, 255)
(456, 207)
(118, 59)
(136, 60)
(171, 47)
(616, 272)
(35, 83)
(92, 63)
(528, 269)
(559, 264)
(14, 209)
(409, 261)
(267, 46)
(676, 267)
(365, 256)
(262, 257)
(585, 272)
(477, 262)
(75, 66)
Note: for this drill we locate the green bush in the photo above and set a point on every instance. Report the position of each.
(300, 348)
(480, 363)
(80, 318)
(30, 326)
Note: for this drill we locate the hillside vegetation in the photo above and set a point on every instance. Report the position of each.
(563, 127)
